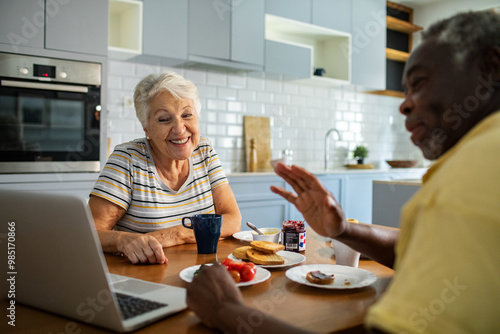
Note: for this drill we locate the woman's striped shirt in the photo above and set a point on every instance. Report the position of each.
(130, 180)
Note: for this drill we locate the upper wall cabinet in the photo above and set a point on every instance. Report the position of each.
(299, 11)
(165, 31)
(329, 61)
(74, 26)
(22, 24)
(368, 43)
(332, 14)
(227, 33)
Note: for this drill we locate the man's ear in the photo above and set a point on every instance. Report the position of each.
(490, 63)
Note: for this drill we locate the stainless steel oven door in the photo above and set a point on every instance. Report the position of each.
(48, 127)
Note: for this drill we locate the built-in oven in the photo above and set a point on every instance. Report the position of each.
(49, 114)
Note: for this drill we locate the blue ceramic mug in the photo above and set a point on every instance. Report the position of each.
(206, 229)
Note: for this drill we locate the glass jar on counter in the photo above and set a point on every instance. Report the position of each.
(294, 235)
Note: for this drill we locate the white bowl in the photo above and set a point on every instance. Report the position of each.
(270, 234)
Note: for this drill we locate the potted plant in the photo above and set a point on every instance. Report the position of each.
(360, 153)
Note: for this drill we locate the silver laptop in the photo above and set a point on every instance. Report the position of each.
(58, 266)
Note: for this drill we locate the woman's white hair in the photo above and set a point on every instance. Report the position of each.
(156, 83)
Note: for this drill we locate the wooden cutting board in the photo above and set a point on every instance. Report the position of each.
(259, 129)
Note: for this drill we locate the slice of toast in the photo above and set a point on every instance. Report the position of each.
(264, 258)
(241, 252)
(267, 246)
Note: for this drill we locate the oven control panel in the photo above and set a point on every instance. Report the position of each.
(49, 69)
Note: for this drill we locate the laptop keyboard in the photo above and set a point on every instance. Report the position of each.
(132, 306)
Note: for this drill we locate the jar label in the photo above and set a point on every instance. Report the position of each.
(294, 241)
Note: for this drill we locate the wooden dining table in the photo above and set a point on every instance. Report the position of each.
(315, 309)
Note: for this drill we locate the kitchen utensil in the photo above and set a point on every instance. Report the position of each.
(253, 227)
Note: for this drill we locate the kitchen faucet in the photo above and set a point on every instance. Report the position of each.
(327, 148)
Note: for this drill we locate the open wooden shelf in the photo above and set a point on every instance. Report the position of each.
(400, 25)
(388, 92)
(396, 55)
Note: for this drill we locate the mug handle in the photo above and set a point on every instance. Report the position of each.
(187, 226)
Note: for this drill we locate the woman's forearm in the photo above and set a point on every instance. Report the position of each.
(109, 240)
(172, 236)
(231, 223)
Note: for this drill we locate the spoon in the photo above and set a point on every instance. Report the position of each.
(253, 227)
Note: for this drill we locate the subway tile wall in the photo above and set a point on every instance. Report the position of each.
(300, 116)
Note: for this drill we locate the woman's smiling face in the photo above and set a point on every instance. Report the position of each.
(173, 127)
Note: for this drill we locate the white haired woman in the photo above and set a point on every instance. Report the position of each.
(150, 183)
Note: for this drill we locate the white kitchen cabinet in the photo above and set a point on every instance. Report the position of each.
(73, 26)
(165, 31)
(66, 183)
(256, 201)
(329, 50)
(77, 26)
(332, 14)
(22, 23)
(227, 33)
(291, 61)
(368, 43)
(389, 197)
(299, 10)
(358, 203)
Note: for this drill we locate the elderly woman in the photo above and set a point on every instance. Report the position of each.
(149, 184)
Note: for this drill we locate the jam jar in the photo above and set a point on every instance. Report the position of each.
(294, 235)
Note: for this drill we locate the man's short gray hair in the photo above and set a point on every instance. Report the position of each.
(156, 83)
(469, 34)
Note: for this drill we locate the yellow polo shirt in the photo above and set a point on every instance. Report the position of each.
(447, 266)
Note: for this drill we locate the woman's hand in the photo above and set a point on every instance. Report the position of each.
(212, 291)
(140, 248)
(318, 206)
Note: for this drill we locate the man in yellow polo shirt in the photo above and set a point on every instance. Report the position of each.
(447, 254)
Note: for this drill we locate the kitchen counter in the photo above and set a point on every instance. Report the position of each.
(339, 171)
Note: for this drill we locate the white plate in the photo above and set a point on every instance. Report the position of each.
(291, 259)
(345, 277)
(243, 236)
(261, 275)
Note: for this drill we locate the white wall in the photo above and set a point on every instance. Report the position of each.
(428, 13)
(300, 116)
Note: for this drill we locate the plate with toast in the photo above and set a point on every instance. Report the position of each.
(267, 255)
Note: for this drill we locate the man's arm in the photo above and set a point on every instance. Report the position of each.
(325, 215)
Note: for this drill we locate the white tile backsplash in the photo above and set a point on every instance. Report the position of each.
(300, 116)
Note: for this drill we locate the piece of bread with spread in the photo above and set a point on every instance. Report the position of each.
(317, 277)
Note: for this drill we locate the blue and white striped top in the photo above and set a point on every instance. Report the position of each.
(130, 180)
